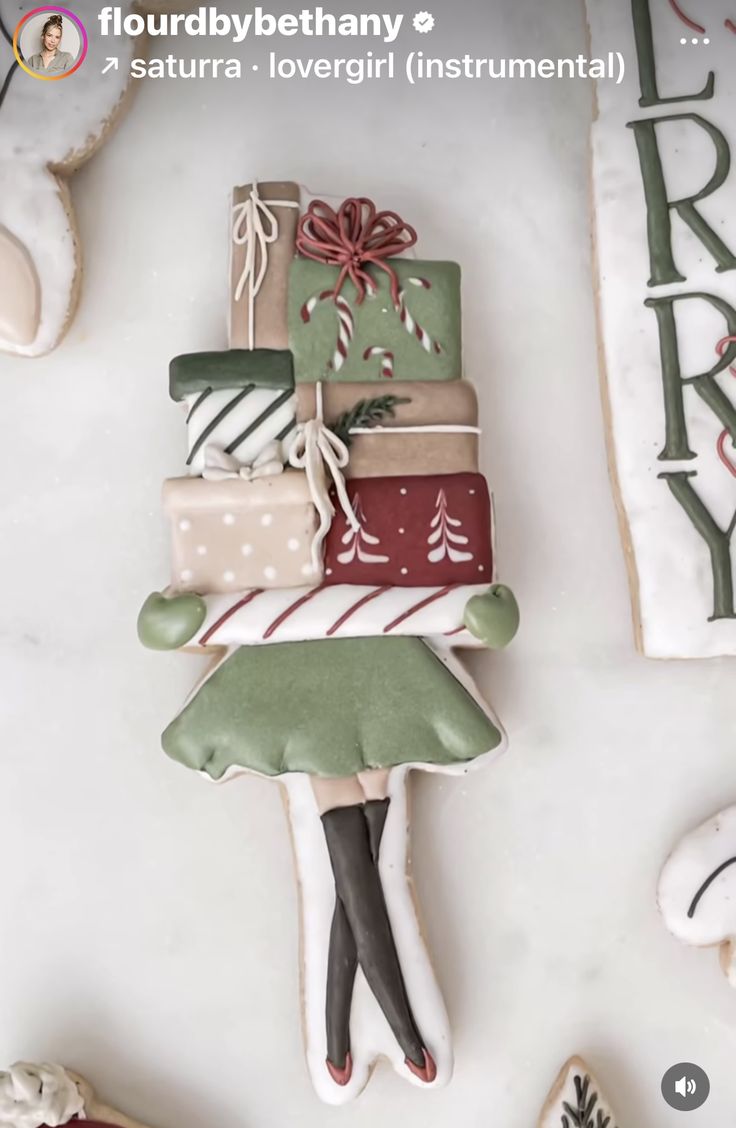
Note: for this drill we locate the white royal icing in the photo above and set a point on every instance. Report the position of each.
(235, 422)
(246, 622)
(575, 1082)
(36, 1095)
(697, 886)
(50, 124)
(671, 559)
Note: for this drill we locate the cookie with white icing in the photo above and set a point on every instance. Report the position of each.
(48, 1096)
(335, 599)
(665, 227)
(47, 131)
(576, 1100)
(697, 889)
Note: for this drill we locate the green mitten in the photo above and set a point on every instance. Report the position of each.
(166, 623)
(493, 617)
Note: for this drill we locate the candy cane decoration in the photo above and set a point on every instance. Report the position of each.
(685, 18)
(345, 324)
(387, 360)
(413, 327)
(721, 347)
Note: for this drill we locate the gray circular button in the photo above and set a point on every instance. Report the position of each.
(685, 1086)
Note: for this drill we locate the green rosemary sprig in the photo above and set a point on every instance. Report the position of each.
(367, 413)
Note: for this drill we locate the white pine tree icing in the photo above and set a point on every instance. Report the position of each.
(356, 541)
(443, 537)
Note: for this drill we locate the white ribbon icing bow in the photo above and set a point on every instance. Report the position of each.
(315, 449)
(255, 227)
(36, 1095)
(219, 466)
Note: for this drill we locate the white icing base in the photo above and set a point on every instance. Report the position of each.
(314, 618)
(241, 416)
(53, 124)
(371, 1037)
(694, 859)
(564, 1093)
(672, 562)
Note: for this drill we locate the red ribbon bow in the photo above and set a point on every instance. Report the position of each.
(353, 238)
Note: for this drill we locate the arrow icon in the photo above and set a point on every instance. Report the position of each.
(110, 64)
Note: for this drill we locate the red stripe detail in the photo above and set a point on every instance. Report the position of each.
(419, 607)
(457, 631)
(229, 614)
(356, 607)
(290, 610)
(686, 19)
(726, 341)
(731, 26)
(721, 446)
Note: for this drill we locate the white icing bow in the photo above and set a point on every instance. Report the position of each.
(219, 466)
(315, 449)
(36, 1095)
(255, 227)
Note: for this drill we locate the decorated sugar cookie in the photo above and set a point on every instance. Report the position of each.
(576, 1100)
(665, 224)
(697, 889)
(332, 542)
(48, 129)
(47, 1096)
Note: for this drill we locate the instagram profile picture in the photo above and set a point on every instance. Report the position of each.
(50, 43)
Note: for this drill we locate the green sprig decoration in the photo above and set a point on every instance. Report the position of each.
(584, 1115)
(367, 413)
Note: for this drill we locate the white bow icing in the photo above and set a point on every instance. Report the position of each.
(315, 449)
(255, 227)
(219, 466)
(36, 1095)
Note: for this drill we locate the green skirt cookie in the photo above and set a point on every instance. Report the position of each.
(329, 708)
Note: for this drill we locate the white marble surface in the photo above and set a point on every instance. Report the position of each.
(148, 934)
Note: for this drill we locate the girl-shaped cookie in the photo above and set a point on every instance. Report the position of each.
(336, 689)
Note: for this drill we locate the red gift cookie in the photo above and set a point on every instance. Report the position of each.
(415, 531)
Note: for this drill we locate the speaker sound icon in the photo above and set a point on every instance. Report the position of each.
(685, 1086)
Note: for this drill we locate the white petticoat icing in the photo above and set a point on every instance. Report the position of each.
(697, 887)
(36, 1095)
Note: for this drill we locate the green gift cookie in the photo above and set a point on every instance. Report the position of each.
(416, 337)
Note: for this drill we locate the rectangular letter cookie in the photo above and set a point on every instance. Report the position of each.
(665, 225)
